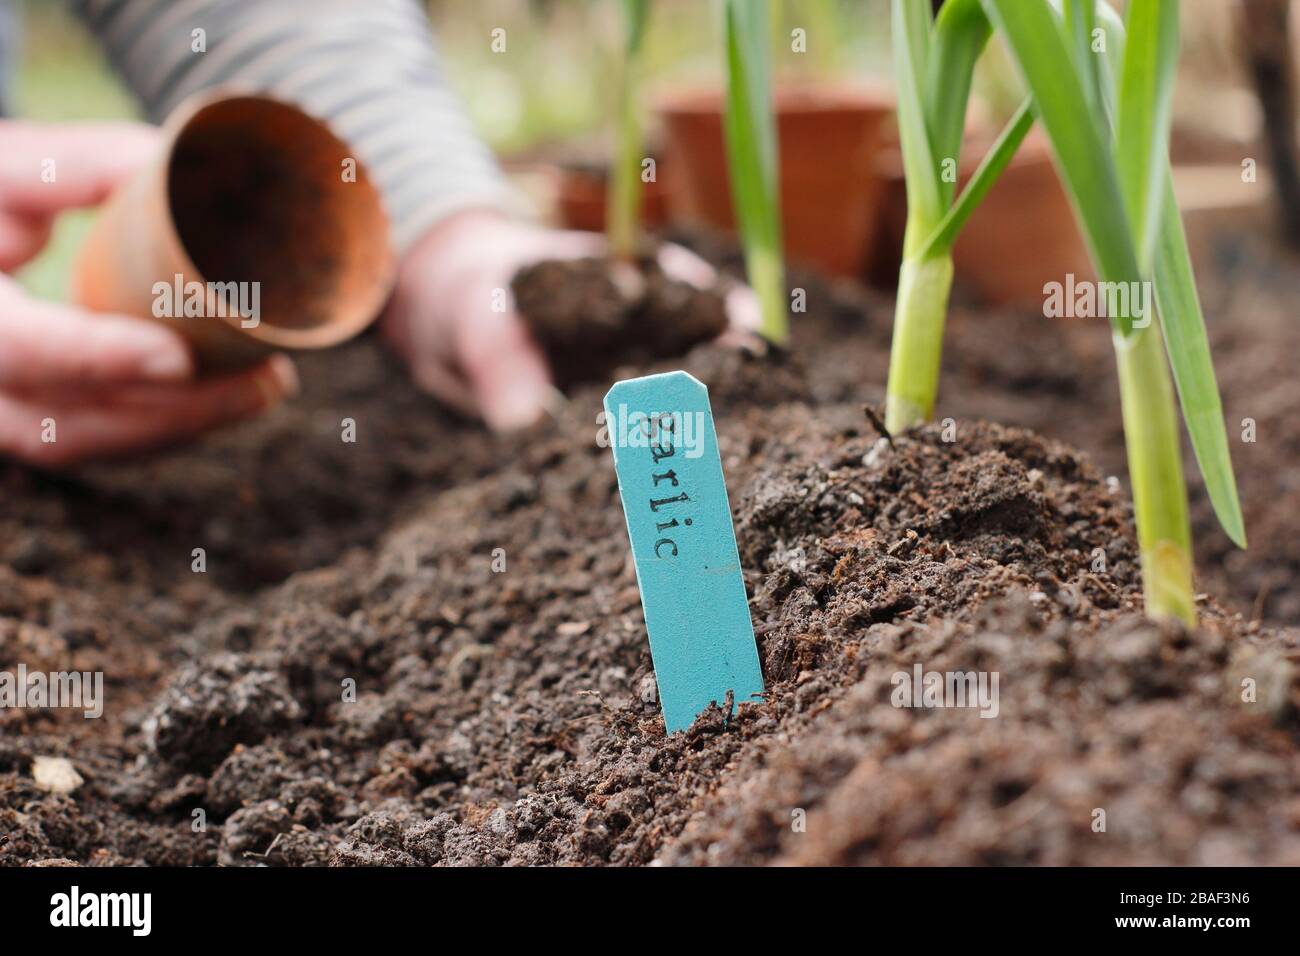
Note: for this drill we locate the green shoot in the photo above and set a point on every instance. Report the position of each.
(624, 200)
(933, 64)
(1108, 124)
(752, 158)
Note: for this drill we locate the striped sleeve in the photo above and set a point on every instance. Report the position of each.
(369, 68)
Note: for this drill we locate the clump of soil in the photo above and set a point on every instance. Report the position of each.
(591, 315)
(427, 647)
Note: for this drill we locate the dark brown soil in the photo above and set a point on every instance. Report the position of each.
(508, 717)
(591, 315)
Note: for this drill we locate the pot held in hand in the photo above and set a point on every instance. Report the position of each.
(255, 230)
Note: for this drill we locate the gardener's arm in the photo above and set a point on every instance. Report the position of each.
(371, 70)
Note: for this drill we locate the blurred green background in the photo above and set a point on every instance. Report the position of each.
(555, 84)
(554, 87)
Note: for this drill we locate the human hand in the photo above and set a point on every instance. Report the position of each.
(77, 385)
(483, 361)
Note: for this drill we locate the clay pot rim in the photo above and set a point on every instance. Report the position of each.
(339, 329)
(1034, 151)
(805, 98)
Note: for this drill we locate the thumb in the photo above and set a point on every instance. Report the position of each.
(46, 168)
(506, 371)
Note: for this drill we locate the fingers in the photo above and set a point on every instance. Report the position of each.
(63, 429)
(446, 318)
(571, 244)
(744, 313)
(45, 169)
(680, 263)
(497, 373)
(505, 370)
(21, 237)
(426, 346)
(46, 345)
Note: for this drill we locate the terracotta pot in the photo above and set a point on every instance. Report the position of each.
(1022, 235)
(829, 179)
(245, 190)
(582, 189)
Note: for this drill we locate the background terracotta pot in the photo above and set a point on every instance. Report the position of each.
(246, 189)
(1022, 235)
(829, 137)
(582, 190)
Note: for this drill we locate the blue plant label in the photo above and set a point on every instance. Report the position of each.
(687, 566)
